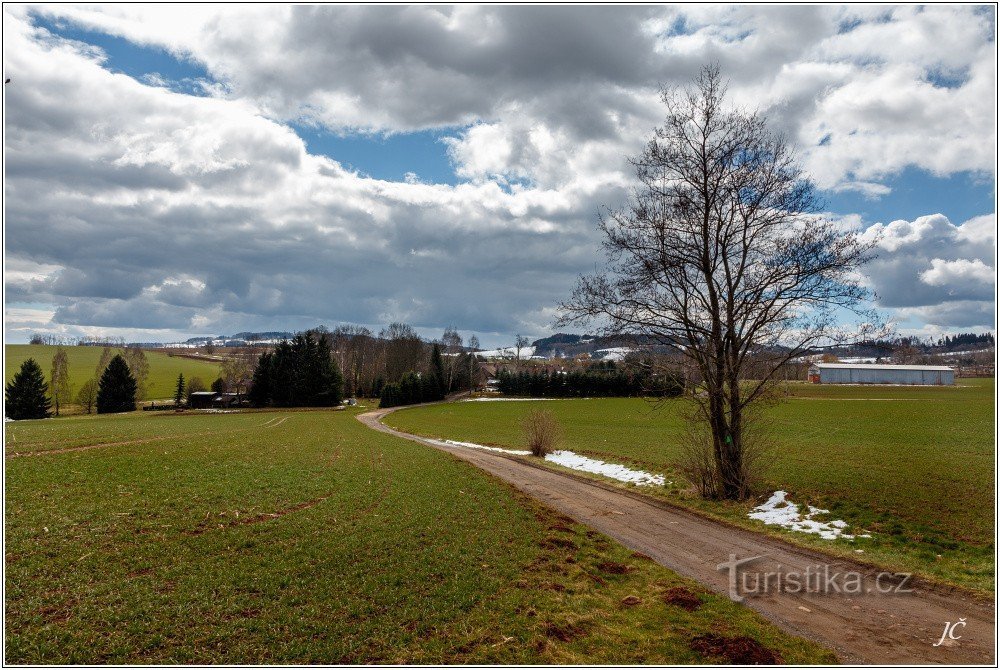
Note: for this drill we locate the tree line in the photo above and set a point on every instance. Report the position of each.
(369, 361)
(27, 395)
(605, 379)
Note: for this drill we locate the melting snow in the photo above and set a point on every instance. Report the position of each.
(779, 511)
(504, 399)
(473, 445)
(574, 461)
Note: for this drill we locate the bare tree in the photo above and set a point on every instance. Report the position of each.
(107, 353)
(59, 379)
(719, 252)
(87, 396)
(237, 369)
(474, 368)
(451, 346)
(404, 351)
(355, 349)
(520, 342)
(135, 357)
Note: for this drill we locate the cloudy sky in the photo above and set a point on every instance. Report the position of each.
(173, 172)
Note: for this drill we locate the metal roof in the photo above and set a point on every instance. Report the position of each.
(871, 366)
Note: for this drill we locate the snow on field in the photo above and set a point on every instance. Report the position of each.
(504, 399)
(613, 353)
(507, 352)
(569, 459)
(574, 461)
(779, 511)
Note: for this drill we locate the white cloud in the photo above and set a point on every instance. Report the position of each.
(943, 273)
(125, 198)
(933, 270)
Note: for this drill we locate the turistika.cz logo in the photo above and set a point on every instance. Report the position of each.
(815, 579)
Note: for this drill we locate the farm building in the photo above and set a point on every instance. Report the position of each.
(861, 373)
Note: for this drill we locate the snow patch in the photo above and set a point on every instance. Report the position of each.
(504, 399)
(574, 461)
(779, 511)
(613, 353)
(569, 459)
(507, 352)
(473, 445)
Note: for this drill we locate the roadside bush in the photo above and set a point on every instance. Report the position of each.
(542, 432)
(699, 465)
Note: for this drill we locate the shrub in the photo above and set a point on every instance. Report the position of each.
(542, 432)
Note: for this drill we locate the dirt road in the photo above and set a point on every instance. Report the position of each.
(868, 621)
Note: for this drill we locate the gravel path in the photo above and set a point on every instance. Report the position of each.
(862, 627)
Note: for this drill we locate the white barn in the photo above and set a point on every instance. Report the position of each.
(862, 373)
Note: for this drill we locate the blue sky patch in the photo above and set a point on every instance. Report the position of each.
(388, 157)
(143, 63)
(916, 192)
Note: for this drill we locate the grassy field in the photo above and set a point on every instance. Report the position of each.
(304, 537)
(912, 465)
(163, 369)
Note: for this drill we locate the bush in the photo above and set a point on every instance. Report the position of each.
(542, 432)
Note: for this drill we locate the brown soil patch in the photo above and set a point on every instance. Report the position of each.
(682, 597)
(560, 542)
(740, 650)
(258, 518)
(631, 601)
(614, 568)
(564, 632)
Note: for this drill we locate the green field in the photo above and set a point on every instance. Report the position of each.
(163, 369)
(915, 466)
(304, 537)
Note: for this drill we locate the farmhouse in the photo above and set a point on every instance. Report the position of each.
(861, 373)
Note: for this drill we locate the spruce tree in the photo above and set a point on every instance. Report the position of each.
(179, 391)
(116, 390)
(24, 396)
(260, 394)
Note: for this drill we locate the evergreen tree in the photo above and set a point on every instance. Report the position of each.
(390, 395)
(24, 396)
(261, 383)
(116, 390)
(300, 373)
(219, 385)
(179, 391)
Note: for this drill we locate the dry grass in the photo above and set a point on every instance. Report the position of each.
(542, 432)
